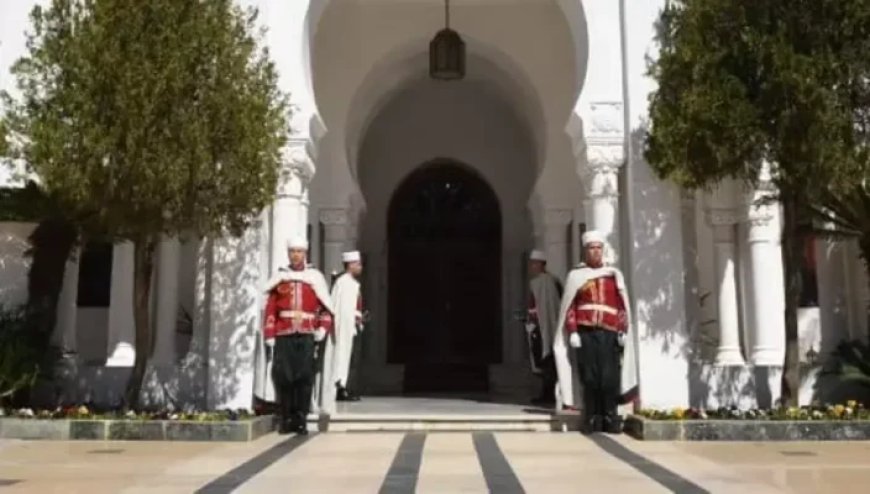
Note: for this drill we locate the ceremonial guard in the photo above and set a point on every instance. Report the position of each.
(348, 321)
(298, 314)
(594, 317)
(541, 320)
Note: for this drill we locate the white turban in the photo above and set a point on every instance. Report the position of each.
(538, 255)
(297, 243)
(351, 256)
(593, 236)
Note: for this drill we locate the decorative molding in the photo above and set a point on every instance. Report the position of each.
(334, 217)
(606, 121)
(722, 216)
(601, 180)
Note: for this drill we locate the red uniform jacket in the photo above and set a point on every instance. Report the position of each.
(597, 304)
(293, 308)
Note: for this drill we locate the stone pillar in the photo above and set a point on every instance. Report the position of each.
(122, 330)
(64, 336)
(556, 240)
(724, 223)
(335, 227)
(599, 144)
(765, 283)
(290, 209)
(168, 267)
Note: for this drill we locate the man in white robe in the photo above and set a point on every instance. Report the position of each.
(545, 292)
(603, 325)
(347, 299)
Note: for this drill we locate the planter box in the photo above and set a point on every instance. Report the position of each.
(136, 430)
(746, 430)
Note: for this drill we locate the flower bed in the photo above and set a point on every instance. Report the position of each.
(80, 423)
(850, 421)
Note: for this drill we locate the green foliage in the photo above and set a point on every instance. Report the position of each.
(150, 117)
(144, 119)
(27, 204)
(850, 362)
(748, 82)
(25, 355)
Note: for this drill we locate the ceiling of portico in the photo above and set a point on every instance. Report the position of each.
(365, 52)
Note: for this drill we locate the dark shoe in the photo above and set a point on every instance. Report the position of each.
(593, 424)
(613, 424)
(344, 395)
(285, 428)
(542, 401)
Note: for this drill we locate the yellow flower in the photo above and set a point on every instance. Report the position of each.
(679, 413)
(838, 410)
(852, 404)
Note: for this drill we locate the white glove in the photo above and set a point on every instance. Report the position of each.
(530, 328)
(270, 343)
(574, 340)
(621, 339)
(319, 334)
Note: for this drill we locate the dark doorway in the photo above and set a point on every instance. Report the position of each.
(444, 279)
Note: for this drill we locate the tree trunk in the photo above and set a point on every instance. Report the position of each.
(143, 267)
(51, 245)
(792, 250)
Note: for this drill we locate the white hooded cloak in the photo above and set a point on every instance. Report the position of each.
(345, 294)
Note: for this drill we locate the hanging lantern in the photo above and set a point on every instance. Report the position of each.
(447, 52)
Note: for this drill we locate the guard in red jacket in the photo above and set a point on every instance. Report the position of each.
(298, 314)
(595, 318)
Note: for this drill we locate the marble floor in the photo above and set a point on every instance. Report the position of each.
(432, 462)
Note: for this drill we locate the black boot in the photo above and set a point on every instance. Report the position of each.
(342, 394)
(613, 424)
(301, 424)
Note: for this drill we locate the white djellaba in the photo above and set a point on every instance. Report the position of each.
(345, 293)
(569, 394)
(545, 290)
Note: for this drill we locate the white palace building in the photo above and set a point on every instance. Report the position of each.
(445, 187)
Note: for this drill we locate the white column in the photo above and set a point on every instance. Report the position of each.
(724, 224)
(122, 330)
(290, 209)
(767, 325)
(64, 336)
(599, 145)
(556, 239)
(335, 222)
(168, 267)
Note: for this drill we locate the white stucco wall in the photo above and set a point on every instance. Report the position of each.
(656, 238)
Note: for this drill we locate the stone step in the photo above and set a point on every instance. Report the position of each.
(446, 423)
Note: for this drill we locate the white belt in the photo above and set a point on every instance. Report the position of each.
(294, 314)
(599, 307)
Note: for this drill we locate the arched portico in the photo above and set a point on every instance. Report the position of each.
(348, 64)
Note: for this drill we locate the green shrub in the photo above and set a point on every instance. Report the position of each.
(25, 355)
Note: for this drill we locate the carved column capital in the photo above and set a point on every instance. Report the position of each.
(334, 217)
(722, 216)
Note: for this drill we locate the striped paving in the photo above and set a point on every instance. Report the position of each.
(434, 462)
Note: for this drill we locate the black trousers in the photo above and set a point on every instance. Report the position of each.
(293, 370)
(598, 360)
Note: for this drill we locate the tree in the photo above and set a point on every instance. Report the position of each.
(748, 82)
(146, 119)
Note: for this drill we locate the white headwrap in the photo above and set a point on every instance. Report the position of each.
(538, 255)
(297, 243)
(352, 256)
